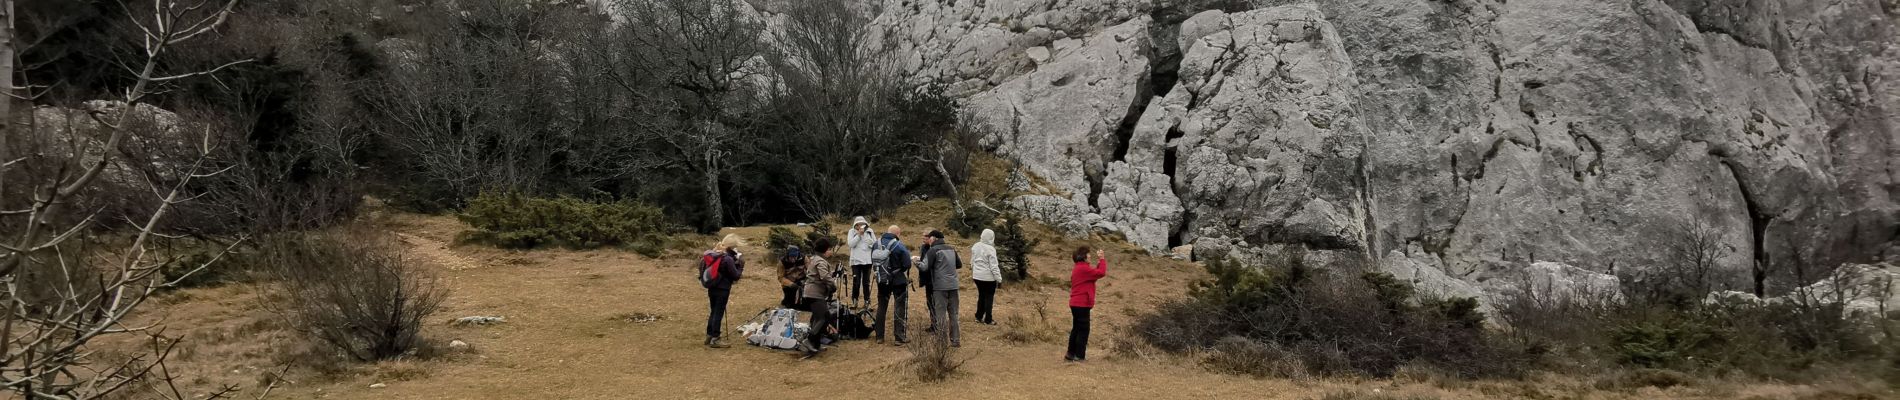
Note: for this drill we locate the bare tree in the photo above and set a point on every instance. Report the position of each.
(703, 55)
(840, 98)
(44, 335)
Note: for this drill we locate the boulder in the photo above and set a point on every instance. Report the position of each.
(1731, 297)
(1426, 275)
(1862, 288)
(155, 140)
(478, 320)
(1553, 281)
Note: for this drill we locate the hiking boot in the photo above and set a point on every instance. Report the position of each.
(716, 344)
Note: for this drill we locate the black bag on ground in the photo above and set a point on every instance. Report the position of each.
(852, 324)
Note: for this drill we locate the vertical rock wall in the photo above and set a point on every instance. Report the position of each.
(1477, 134)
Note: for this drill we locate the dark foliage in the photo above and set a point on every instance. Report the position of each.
(1321, 323)
(514, 220)
(971, 221)
(1013, 247)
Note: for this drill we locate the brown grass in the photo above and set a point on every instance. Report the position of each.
(1031, 327)
(933, 359)
(564, 339)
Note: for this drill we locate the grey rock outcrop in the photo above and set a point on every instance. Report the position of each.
(156, 141)
(1864, 288)
(1483, 133)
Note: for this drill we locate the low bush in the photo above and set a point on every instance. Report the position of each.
(353, 291)
(1789, 339)
(514, 220)
(932, 358)
(1327, 324)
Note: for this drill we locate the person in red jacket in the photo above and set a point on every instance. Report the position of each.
(1081, 299)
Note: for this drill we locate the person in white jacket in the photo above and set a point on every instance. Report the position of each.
(984, 269)
(860, 240)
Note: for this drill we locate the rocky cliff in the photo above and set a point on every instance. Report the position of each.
(1467, 135)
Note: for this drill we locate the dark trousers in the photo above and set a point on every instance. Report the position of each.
(900, 311)
(944, 315)
(716, 321)
(861, 280)
(1079, 333)
(791, 299)
(985, 297)
(820, 319)
(930, 308)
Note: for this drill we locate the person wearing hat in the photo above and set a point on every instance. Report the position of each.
(730, 265)
(819, 288)
(940, 265)
(860, 241)
(791, 276)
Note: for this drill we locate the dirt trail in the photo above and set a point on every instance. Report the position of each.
(567, 337)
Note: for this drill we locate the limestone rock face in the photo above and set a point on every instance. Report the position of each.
(1488, 136)
(973, 45)
(1054, 118)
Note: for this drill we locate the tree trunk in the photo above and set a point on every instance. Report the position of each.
(7, 52)
(715, 213)
(6, 72)
(956, 199)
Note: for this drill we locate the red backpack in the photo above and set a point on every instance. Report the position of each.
(709, 269)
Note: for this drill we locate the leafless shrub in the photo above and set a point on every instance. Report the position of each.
(932, 358)
(1021, 329)
(61, 297)
(354, 291)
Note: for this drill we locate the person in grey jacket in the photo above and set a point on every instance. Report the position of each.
(987, 273)
(940, 265)
(859, 242)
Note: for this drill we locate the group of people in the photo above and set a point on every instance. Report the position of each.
(808, 282)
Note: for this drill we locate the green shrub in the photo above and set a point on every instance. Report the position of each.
(1659, 344)
(1013, 247)
(1790, 339)
(1327, 324)
(971, 221)
(514, 220)
(779, 238)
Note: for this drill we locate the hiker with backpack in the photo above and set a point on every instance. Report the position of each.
(791, 277)
(860, 240)
(1082, 299)
(818, 288)
(718, 269)
(987, 272)
(940, 265)
(891, 260)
